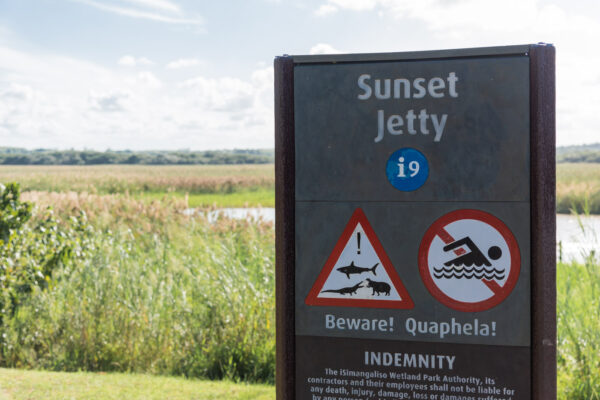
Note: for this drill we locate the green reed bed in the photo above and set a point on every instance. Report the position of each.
(578, 312)
(111, 179)
(578, 187)
(201, 185)
(158, 292)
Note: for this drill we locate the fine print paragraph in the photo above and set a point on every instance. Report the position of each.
(347, 384)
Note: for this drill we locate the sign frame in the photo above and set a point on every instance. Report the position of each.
(542, 203)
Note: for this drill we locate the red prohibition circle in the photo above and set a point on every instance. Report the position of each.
(500, 292)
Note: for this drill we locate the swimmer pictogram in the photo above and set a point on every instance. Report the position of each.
(472, 264)
(469, 260)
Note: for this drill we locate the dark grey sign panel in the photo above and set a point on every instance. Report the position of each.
(414, 215)
(400, 227)
(476, 142)
(361, 369)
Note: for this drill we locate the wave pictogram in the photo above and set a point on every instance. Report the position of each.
(482, 272)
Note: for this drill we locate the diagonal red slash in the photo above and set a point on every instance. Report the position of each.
(447, 239)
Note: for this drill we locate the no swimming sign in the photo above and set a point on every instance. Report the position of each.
(415, 225)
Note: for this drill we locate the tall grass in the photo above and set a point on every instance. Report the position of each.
(236, 185)
(579, 329)
(112, 179)
(578, 314)
(163, 293)
(578, 187)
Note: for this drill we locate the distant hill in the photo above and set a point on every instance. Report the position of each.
(18, 156)
(581, 153)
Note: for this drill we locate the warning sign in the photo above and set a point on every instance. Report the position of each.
(469, 260)
(358, 273)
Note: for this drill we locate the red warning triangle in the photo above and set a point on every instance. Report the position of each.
(358, 273)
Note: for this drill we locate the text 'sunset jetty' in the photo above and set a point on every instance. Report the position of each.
(411, 121)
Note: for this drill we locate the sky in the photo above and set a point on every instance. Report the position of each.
(198, 75)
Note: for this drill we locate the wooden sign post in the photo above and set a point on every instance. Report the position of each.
(415, 223)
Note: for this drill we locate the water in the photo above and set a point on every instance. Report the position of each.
(574, 240)
(577, 237)
(265, 214)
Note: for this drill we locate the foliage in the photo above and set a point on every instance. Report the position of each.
(578, 188)
(587, 153)
(13, 213)
(31, 250)
(578, 333)
(16, 156)
(578, 314)
(585, 156)
(133, 179)
(161, 292)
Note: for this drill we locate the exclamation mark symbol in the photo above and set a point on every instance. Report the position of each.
(358, 242)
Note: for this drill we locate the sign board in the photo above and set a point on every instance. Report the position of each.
(415, 225)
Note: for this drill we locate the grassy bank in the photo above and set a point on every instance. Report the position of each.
(577, 187)
(25, 385)
(201, 185)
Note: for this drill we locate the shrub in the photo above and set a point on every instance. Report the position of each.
(30, 250)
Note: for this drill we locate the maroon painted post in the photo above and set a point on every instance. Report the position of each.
(543, 222)
(284, 226)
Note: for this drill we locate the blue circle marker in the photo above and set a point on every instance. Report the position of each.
(407, 169)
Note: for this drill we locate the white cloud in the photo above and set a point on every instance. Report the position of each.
(326, 9)
(109, 101)
(131, 61)
(183, 63)
(171, 18)
(356, 5)
(60, 102)
(149, 80)
(17, 92)
(323, 48)
(332, 6)
(221, 94)
(157, 4)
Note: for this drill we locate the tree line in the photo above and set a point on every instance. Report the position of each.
(19, 156)
(587, 153)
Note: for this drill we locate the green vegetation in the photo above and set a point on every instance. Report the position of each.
(201, 185)
(578, 188)
(156, 291)
(588, 153)
(261, 197)
(578, 185)
(578, 287)
(30, 252)
(18, 156)
(26, 385)
(116, 277)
